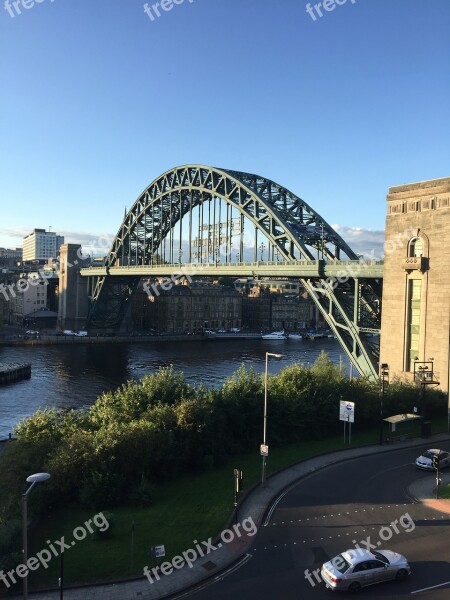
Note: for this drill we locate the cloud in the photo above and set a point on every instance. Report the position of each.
(368, 242)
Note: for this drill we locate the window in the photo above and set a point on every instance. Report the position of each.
(413, 322)
(415, 247)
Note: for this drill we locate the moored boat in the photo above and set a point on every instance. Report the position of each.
(275, 335)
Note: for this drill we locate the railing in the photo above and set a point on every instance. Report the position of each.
(259, 263)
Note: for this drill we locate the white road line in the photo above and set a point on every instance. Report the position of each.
(430, 588)
(274, 505)
(218, 577)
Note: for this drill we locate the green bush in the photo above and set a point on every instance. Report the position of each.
(162, 427)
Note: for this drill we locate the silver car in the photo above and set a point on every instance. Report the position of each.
(356, 568)
(426, 460)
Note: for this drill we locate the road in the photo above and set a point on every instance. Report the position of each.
(358, 502)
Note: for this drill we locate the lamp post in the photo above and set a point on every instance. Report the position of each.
(264, 449)
(261, 249)
(424, 375)
(384, 371)
(33, 479)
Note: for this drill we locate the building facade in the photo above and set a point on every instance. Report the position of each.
(188, 309)
(27, 296)
(10, 257)
(41, 245)
(415, 327)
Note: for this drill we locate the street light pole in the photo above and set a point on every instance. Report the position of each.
(264, 454)
(383, 372)
(33, 479)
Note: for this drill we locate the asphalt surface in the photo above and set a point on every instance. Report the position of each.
(357, 502)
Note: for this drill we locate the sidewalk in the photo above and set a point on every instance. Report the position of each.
(424, 490)
(230, 555)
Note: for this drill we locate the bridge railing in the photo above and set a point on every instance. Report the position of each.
(258, 263)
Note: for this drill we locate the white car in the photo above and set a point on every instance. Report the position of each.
(425, 461)
(356, 568)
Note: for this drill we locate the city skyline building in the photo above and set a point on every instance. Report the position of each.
(41, 245)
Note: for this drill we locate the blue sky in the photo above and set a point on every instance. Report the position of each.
(98, 100)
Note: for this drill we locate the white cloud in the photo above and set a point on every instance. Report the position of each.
(367, 242)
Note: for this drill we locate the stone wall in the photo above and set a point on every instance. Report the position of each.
(417, 210)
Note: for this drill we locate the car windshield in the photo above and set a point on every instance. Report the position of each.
(340, 564)
(380, 556)
(428, 454)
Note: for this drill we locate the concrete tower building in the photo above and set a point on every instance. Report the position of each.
(415, 327)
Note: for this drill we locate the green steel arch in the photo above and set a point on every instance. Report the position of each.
(351, 306)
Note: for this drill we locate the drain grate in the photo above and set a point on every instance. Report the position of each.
(209, 566)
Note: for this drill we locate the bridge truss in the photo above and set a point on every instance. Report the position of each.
(231, 205)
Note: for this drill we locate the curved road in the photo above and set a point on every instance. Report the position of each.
(362, 501)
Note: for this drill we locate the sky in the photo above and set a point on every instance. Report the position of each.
(98, 98)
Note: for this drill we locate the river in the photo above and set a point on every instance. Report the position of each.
(74, 376)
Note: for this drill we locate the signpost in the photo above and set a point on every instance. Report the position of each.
(158, 551)
(347, 414)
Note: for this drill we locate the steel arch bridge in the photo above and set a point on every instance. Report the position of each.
(346, 290)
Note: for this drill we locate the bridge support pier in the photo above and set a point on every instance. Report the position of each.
(73, 299)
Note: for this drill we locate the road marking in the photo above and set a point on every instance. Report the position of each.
(217, 578)
(430, 588)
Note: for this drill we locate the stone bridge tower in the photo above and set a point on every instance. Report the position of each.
(73, 294)
(415, 322)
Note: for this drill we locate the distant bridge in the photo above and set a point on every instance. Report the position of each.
(214, 214)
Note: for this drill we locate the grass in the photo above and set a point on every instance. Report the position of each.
(444, 492)
(194, 507)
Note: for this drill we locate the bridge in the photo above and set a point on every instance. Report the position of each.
(224, 221)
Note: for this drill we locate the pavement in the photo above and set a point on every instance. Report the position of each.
(231, 550)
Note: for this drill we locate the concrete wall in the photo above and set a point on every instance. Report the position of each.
(419, 209)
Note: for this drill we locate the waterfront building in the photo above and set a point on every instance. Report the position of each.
(291, 312)
(187, 308)
(26, 298)
(415, 326)
(41, 245)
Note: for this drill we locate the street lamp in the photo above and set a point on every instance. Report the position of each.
(424, 375)
(264, 447)
(384, 372)
(261, 249)
(33, 479)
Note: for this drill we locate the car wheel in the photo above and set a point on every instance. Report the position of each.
(354, 587)
(401, 575)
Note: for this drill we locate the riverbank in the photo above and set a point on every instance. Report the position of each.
(63, 340)
(74, 374)
(52, 340)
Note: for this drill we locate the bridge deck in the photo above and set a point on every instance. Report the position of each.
(364, 269)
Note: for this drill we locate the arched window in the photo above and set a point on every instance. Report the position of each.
(415, 247)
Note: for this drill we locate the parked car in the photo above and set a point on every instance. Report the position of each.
(425, 461)
(356, 568)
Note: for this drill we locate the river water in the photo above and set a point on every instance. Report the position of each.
(74, 376)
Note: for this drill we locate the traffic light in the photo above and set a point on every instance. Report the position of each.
(436, 461)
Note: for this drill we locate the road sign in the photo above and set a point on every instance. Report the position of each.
(264, 450)
(158, 551)
(347, 411)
